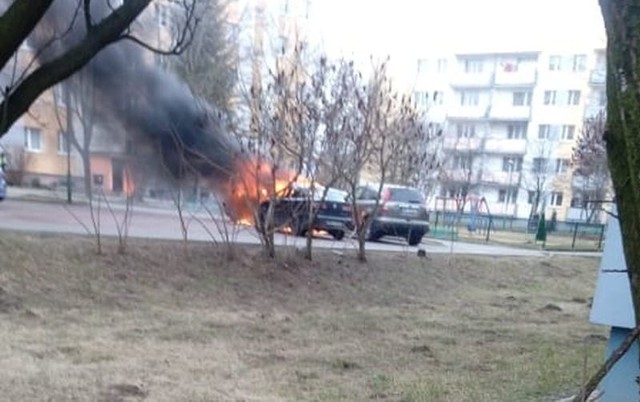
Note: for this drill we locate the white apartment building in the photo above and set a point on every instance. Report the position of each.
(511, 121)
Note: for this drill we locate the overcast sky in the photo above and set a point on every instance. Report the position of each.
(408, 29)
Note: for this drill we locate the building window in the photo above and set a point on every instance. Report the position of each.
(509, 66)
(556, 199)
(568, 132)
(555, 63)
(522, 99)
(502, 195)
(422, 99)
(63, 146)
(466, 130)
(462, 162)
(540, 165)
(531, 197)
(602, 98)
(473, 66)
(32, 139)
(422, 66)
(549, 97)
(562, 165)
(442, 65)
(579, 62)
(517, 131)
(573, 98)
(544, 132)
(469, 98)
(508, 196)
(438, 97)
(512, 164)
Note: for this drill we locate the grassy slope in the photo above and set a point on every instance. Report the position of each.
(160, 325)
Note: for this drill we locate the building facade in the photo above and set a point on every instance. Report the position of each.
(511, 122)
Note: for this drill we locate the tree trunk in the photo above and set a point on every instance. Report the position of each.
(623, 126)
(88, 179)
(362, 253)
(308, 254)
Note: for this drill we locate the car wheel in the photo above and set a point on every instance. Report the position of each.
(415, 238)
(337, 234)
(299, 228)
(372, 234)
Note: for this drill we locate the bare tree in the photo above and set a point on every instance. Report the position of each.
(21, 18)
(461, 172)
(78, 99)
(18, 160)
(591, 168)
(419, 159)
(271, 166)
(323, 159)
(208, 65)
(621, 135)
(379, 124)
(538, 176)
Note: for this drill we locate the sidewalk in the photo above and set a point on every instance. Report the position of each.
(117, 202)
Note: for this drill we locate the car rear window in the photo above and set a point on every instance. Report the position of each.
(406, 195)
(333, 195)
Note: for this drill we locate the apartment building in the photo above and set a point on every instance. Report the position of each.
(511, 121)
(36, 148)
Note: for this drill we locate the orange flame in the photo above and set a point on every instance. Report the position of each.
(254, 182)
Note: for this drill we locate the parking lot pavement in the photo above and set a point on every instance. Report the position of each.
(164, 223)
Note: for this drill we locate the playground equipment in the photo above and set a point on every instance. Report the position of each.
(450, 212)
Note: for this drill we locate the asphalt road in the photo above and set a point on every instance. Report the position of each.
(164, 223)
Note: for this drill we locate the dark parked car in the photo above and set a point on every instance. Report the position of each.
(401, 212)
(292, 208)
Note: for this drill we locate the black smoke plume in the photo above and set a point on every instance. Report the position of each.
(150, 103)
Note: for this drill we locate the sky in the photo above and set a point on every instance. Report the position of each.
(409, 29)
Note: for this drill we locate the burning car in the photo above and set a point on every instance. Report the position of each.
(293, 205)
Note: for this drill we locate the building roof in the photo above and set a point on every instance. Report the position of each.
(612, 303)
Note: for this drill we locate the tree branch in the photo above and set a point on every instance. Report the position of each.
(17, 23)
(106, 32)
(593, 382)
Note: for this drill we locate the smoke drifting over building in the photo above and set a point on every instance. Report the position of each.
(151, 104)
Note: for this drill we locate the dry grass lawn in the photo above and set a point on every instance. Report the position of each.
(159, 325)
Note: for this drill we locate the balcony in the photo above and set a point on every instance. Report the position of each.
(500, 177)
(468, 112)
(510, 112)
(598, 77)
(453, 142)
(506, 146)
(592, 110)
(472, 80)
(523, 78)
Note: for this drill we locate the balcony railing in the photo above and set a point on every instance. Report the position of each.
(509, 112)
(472, 80)
(468, 112)
(500, 177)
(506, 146)
(452, 142)
(525, 77)
(598, 77)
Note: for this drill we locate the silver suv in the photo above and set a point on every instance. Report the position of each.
(401, 212)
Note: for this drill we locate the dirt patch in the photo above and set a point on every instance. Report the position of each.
(8, 302)
(123, 392)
